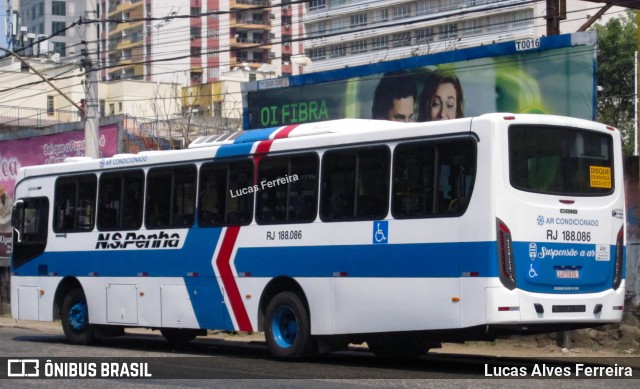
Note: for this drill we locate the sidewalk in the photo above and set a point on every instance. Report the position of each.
(517, 347)
(55, 327)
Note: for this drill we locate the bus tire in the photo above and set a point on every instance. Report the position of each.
(178, 337)
(74, 314)
(288, 330)
(398, 347)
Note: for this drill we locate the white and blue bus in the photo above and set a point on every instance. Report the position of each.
(324, 234)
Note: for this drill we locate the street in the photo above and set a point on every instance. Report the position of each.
(242, 364)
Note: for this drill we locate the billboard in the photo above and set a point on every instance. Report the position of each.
(552, 75)
(40, 150)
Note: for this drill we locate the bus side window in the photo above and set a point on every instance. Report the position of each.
(171, 195)
(120, 200)
(355, 184)
(224, 197)
(432, 178)
(288, 189)
(239, 208)
(75, 203)
(414, 180)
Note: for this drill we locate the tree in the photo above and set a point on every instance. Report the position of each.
(615, 102)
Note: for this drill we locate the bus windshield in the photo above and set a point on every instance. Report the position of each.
(560, 161)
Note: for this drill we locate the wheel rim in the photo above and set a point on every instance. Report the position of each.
(78, 316)
(285, 327)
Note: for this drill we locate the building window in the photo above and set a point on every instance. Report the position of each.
(217, 109)
(359, 46)
(423, 7)
(448, 31)
(317, 4)
(446, 5)
(195, 11)
(195, 32)
(57, 28)
(402, 11)
(381, 16)
(499, 22)
(358, 20)
(472, 27)
(60, 48)
(59, 8)
(339, 50)
(317, 53)
(379, 43)
(401, 39)
(195, 51)
(523, 18)
(424, 35)
(50, 106)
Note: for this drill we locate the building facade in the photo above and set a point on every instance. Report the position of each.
(192, 42)
(356, 32)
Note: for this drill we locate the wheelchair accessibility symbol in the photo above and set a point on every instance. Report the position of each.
(532, 271)
(380, 232)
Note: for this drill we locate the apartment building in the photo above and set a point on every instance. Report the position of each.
(355, 32)
(185, 41)
(192, 42)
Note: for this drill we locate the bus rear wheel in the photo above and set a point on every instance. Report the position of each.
(74, 314)
(288, 330)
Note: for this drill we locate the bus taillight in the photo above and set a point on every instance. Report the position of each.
(617, 269)
(506, 263)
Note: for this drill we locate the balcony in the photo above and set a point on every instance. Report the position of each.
(127, 71)
(251, 24)
(125, 6)
(126, 26)
(247, 43)
(248, 4)
(254, 64)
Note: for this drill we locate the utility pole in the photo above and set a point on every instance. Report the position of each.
(91, 136)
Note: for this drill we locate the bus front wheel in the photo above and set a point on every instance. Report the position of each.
(74, 314)
(288, 330)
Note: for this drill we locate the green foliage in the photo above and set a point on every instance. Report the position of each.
(615, 101)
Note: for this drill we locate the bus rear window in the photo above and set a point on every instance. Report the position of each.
(560, 161)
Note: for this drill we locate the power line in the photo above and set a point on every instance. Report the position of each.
(229, 50)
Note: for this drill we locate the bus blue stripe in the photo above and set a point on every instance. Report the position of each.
(397, 260)
(234, 150)
(255, 135)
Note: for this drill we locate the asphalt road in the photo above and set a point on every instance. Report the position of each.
(240, 364)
